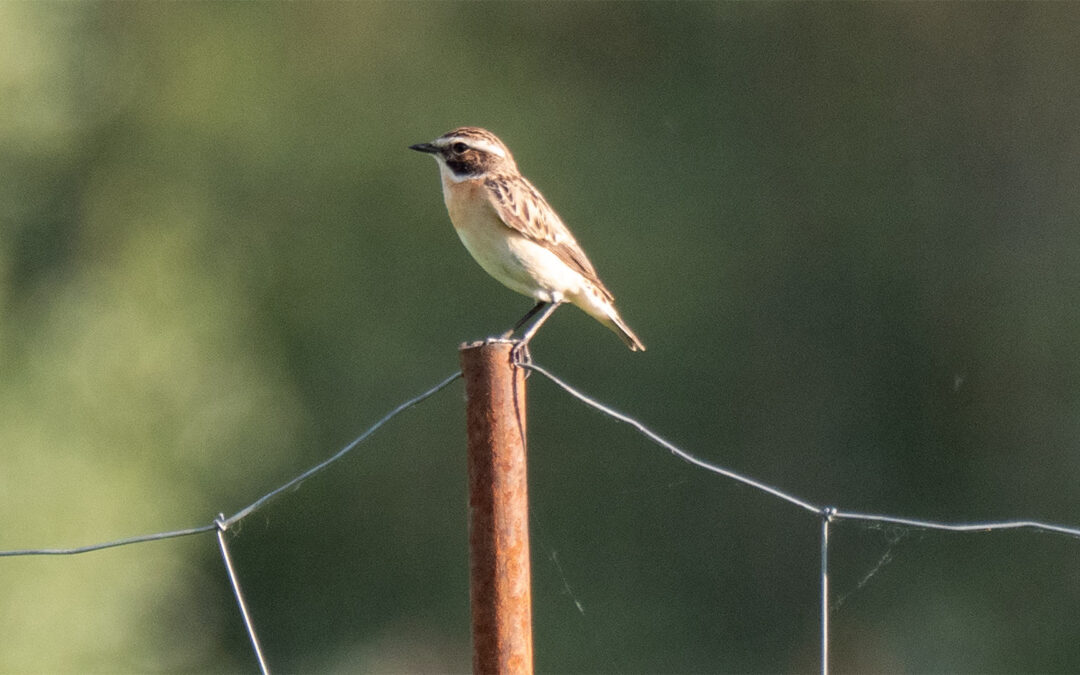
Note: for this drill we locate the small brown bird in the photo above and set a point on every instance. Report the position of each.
(509, 228)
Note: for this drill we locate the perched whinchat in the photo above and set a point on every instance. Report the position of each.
(509, 228)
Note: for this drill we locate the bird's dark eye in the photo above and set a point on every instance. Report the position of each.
(459, 147)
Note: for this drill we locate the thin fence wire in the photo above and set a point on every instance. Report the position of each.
(221, 523)
(826, 514)
(234, 581)
(250, 508)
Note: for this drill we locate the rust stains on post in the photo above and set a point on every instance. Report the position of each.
(500, 586)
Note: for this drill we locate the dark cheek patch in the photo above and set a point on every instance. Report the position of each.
(470, 163)
(461, 166)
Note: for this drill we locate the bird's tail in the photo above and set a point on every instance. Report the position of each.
(597, 302)
(619, 327)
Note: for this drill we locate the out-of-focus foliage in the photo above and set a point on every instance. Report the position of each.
(847, 233)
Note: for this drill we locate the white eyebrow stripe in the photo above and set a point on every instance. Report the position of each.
(479, 144)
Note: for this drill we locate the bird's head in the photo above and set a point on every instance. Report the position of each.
(469, 152)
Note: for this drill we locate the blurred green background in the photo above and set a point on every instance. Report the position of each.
(848, 234)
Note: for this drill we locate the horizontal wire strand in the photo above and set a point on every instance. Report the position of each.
(959, 527)
(109, 544)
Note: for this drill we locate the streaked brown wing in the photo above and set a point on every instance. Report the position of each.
(523, 208)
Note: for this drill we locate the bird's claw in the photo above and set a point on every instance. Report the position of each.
(520, 356)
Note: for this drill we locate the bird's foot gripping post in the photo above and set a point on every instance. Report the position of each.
(500, 584)
(520, 356)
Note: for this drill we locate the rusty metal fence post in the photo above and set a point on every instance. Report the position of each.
(500, 585)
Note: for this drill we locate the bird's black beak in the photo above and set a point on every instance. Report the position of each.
(425, 147)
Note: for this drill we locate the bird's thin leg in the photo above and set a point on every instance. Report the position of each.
(527, 335)
(520, 353)
(531, 313)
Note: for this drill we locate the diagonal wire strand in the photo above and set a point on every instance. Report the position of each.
(250, 508)
(262, 501)
(826, 512)
(234, 581)
(671, 447)
(220, 523)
